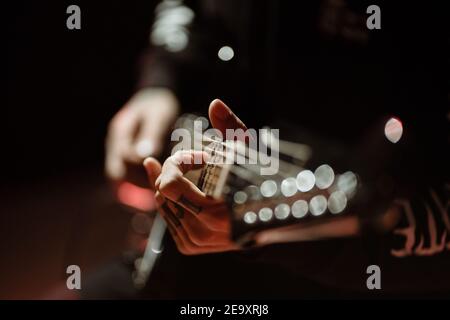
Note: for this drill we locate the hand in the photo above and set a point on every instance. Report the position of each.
(198, 223)
(137, 131)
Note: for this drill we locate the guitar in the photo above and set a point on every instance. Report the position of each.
(317, 181)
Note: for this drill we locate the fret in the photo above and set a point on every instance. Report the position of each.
(210, 175)
(210, 178)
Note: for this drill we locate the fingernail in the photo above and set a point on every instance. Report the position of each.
(221, 111)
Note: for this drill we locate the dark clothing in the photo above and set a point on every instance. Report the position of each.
(317, 65)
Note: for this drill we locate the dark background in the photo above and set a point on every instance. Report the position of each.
(64, 85)
(62, 88)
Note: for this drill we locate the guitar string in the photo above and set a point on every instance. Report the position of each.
(299, 152)
(252, 168)
(288, 168)
(247, 172)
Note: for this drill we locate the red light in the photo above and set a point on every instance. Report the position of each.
(136, 197)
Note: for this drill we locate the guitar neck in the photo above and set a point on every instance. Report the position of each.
(212, 179)
(304, 189)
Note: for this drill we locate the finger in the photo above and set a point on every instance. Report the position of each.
(190, 241)
(223, 118)
(148, 138)
(186, 196)
(183, 240)
(118, 142)
(173, 232)
(215, 218)
(172, 226)
(198, 232)
(145, 147)
(183, 192)
(114, 165)
(174, 186)
(187, 247)
(153, 169)
(123, 124)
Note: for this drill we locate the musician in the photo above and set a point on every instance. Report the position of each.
(318, 65)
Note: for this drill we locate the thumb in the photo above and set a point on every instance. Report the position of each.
(223, 118)
(153, 169)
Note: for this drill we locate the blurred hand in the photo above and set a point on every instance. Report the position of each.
(137, 131)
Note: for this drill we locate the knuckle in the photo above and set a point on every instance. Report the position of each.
(177, 154)
(168, 185)
(177, 157)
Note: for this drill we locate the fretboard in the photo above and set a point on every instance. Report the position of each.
(213, 175)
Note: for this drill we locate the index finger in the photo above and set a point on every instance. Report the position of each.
(173, 185)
